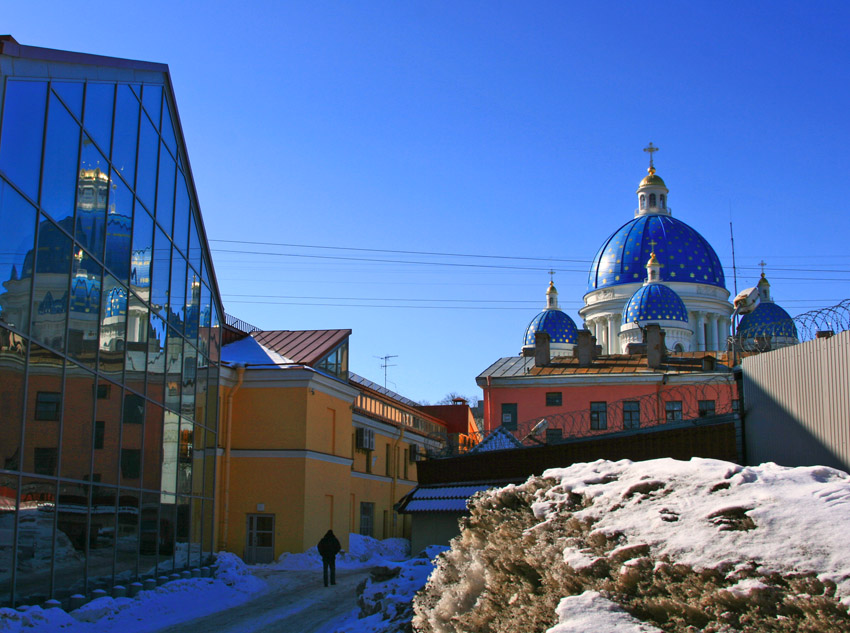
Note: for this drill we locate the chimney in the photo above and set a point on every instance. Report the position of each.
(709, 363)
(585, 348)
(541, 349)
(655, 347)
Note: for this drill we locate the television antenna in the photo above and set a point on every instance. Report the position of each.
(385, 363)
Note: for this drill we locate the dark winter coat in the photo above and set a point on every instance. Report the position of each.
(329, 546)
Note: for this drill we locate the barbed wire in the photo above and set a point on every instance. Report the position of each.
(833, 318)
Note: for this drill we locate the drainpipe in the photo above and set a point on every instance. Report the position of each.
(397, 441)
(240, 373)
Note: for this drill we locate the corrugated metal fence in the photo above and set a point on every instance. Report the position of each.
(797, 404)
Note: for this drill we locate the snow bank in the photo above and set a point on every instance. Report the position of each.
(664, 543)
(363, 551)
(173, 602)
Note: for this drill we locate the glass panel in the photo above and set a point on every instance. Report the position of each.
(13, 352)
(212, 397)
(36, 518)
(149, 535)
(190, 369)
(98, 116)
(72, 95)
(23, 131)
(127, 532)
(165, 190)
(152, 101)
(177, 308)
(193, 307)
(61, 151)
(105, 469)
(167, 530)
(181, 215)
(208, 530)
(168, 128)
(152, 466)
(140, 267)
(8, 500)
(195, 555)
(204, 320)
(17, 239)
(113, 326)
(126, 133)
(72, 535)
(209, 464)
(157, 335)
(103, 533)
(173, 370)
(77, 423)
(50, 292)
(215, 334)
(198, 460)
(85, 307)
(161, 274)
(146, 167)
(170, 438)
(194, 243)
(200, 390)
(184, 456)
(131, 440)
(183, 522)
(92, 193)
(119, 228)
(137, 342)
(44, 412)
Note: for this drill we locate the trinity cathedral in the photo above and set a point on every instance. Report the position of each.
(655, 269)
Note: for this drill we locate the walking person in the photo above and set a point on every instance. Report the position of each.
(329, 547)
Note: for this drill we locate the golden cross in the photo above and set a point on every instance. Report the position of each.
(551, 276)
(650, 149)
(762, 263)
(652, 243)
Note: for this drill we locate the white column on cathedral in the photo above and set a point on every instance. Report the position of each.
(700, 324)
(722, 332)
(711, 330)
(612, 334)
(597, 326)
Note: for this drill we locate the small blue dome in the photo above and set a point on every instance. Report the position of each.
(683, 253)
(655, 302)
(768, 319)
(116, 303)
(558, 325)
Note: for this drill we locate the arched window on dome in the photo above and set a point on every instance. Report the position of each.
(663, 201)
(642, 201)
(678, 348)
(651, 200)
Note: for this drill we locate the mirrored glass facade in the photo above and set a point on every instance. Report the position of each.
(109, 346)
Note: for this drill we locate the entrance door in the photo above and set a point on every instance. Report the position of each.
(259, 547)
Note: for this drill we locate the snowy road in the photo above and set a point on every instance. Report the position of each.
(295, 602)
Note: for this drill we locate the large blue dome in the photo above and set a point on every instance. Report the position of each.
(558, 325)
(655, 302)
(683, 253)
(768, 319)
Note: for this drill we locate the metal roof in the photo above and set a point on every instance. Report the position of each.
(500, 439)
(365, 382)
(442, 498)
(305, 347)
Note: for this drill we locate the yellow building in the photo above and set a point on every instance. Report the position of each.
(305, 447)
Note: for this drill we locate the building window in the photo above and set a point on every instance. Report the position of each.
(45, 460)
(663, 201)
(651, 200)
(48, 405)
(554, 399)
(673, 410)
(131, 462)
(367, 518)
(706, 407)
(642, 201)
(336, 363)
(103, 391)
(99, 433)
(598, 415)
(509, 416)
(631, 415)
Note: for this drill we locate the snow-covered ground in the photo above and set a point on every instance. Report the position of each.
(234, 584)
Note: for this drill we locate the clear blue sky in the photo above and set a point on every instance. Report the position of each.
(485, 128)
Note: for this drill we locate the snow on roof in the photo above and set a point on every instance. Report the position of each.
(704, 512)
(251, 352)
(442, 498)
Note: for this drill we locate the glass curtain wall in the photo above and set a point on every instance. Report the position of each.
(109, 346)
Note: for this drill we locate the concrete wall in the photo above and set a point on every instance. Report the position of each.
(797, 404)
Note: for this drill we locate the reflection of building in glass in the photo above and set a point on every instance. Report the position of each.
(109, 330)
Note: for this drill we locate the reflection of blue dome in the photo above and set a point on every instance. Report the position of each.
(655, 302)
(683, 253)
(768, 319)
(558, 325)
(85, 295)
(116, 303)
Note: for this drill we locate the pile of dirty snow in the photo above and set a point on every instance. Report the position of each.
(363, 551)
(656, 545)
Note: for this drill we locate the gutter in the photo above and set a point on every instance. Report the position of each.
(240, 373)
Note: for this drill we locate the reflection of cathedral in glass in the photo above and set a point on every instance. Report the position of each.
(109, 343)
